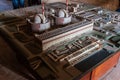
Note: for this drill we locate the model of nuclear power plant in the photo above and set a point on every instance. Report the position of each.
(58, 38)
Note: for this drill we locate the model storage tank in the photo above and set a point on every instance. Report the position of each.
(40, 23)
(62, 17)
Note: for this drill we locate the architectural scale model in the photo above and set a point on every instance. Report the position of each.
(59, 40)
